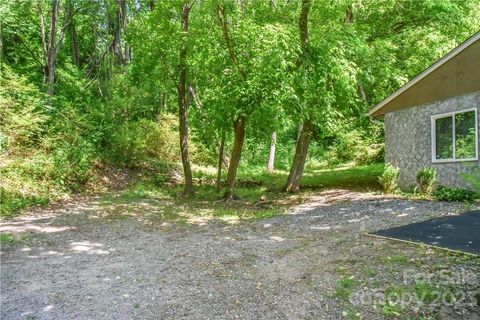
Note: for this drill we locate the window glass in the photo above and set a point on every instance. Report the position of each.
(465, 135)
(444, 138)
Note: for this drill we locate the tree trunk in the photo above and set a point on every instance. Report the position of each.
(182, 103)
(361, 92)
(298, 164)
(348, 15)
(220, 162)
(303, 23)
(271, 156)
(117, 33)
(1, 47)
(239, 132)
(239, 124)
(51, 56)
(73, 35)
(299, 130)
(306, 130)
(127, 49)
(151, 5)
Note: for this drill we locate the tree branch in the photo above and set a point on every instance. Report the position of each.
(228, 40)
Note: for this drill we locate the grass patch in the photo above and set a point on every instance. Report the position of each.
(259, 191)
(345, 287)
(167, 204)
(426, 291)
(361, 178)
(6, 238)
(10, 238)
(11, 203)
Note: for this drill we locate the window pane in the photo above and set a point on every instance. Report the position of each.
(444, 138)
(465, 135)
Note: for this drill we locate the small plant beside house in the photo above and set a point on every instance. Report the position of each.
(454, 194)
(389, 178)
(426, 179)
(473, 178)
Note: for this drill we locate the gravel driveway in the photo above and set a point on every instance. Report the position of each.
(71, 263)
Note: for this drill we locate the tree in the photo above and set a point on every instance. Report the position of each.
(303, 141)
(72, 32)
(271, 155)
(240, 121)
(259, 80)
(182, 101)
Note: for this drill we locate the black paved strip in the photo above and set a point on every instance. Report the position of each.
(461, 232)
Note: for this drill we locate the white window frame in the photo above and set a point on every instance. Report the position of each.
(434, 140)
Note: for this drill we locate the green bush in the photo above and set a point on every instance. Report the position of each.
(473, 178)
(454, 194)
(353, 146)
(345, 147)
(426, 179)
(388, 179)
(21, 120)
(370, 153)
(12, 202)
(136, 142)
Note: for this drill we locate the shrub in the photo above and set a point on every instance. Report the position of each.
(426, 179)
(473, 178)
(353, 146)
(137, 142)
(388, 179)
(21, 121)
(345, 147)
(143, 141)
(370, 153)
(454, 194)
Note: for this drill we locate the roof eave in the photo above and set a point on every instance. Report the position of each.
(376, 111)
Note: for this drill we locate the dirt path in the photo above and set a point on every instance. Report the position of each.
(73, 263)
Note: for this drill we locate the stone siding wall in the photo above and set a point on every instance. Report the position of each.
(408, 141)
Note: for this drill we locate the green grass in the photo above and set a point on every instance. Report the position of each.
(11, 203)
(254, 185)
(345, 287)
(9, 238)
(6, 238)
(361, 178)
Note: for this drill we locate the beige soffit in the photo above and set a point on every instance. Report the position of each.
(379, 108)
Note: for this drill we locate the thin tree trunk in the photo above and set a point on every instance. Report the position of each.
(271, 156)
(220, 161)
(361, 92)
(54, 45)
(239, 123)
(117, 33)
(299, 130)
(73, 35)
(348, 15)
(182, 104)
(151, 5)
(303, 140)
(1, 47)
(301, 150)
(43, 34)
(51, 56)
(303, 23)
(239, 137)
(124, 15)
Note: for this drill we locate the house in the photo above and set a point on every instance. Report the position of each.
(433, 120)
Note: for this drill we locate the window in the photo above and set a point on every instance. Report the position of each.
(455, 136)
